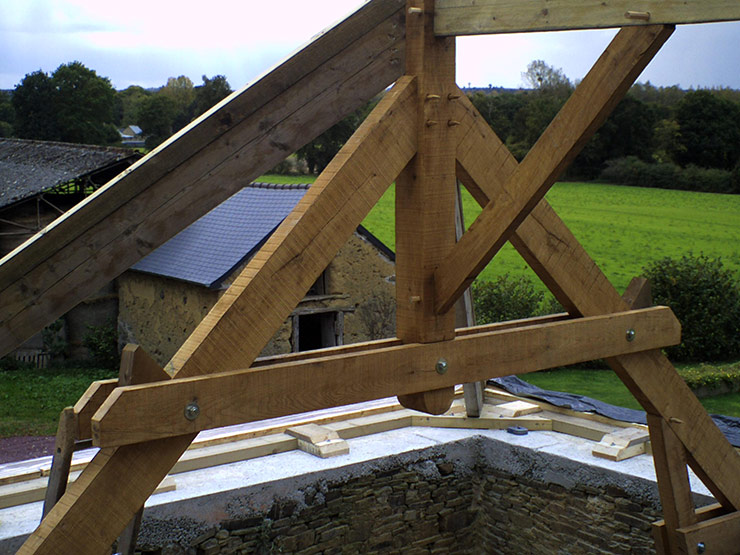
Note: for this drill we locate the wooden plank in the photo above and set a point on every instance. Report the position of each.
(514, 409)
(719, 535)
(147, 412)
(669, 456)
(476, 17)
(62, 459)
(623, 444)
(197, 169)
(299, 250)
(581, 116)
(32, 491)
(89, 403)
(425, 195)
(548, 246)
(534, 423)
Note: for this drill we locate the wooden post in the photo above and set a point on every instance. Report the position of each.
(425, 195)
(465, 318)
(137, 367)
(669, 457)
(63, 449)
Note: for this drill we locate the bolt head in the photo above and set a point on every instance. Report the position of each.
(700, 547)
(441, 366)
(630, 334)
(192, 411)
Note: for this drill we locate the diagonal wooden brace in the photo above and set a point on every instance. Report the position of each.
(548, 246)
(258, 302)
(589, 106)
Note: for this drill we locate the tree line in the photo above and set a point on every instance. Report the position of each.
(74, 104)
(656, 136)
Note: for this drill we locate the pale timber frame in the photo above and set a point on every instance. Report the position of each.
(424, 134)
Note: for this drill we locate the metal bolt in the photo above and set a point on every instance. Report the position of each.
(192, 411)
(441, 366)
(700, 547)
(630, 334)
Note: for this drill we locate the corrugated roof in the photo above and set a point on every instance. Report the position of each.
(209, 249)
(31, 167)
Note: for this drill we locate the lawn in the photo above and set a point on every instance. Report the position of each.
(31, 399)
(622, 228)
(604, 385)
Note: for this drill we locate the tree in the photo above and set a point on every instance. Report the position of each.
(319, 152)
(709, 130)
(156, 116)
(129, 102)
(33, 103)
(180, 91)
(541, 76)
(83, 104)
(7, 114)
(211, 92)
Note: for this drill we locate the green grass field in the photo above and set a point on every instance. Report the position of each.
(622, 228)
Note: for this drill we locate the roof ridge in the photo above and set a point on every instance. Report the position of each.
(82, 146)
(279, 186)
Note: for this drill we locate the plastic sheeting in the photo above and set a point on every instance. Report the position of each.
(729, 425)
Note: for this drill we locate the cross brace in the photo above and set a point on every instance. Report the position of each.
(401, 138)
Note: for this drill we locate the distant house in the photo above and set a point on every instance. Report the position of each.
(164, 296)
(132, 136)
(40, 180)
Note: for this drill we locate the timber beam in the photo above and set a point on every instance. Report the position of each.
(482, 17)
(185, 406)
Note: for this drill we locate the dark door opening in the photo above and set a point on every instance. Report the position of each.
(316, 331)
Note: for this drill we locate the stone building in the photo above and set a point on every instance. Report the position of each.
(164, 296)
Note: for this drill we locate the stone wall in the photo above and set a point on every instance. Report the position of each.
(472, 496)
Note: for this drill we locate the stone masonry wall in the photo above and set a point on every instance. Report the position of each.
(434, 503)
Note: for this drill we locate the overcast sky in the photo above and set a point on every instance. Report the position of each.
(143, 42)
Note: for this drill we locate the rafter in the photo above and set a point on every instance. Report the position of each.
(198, 168)
(591, 103)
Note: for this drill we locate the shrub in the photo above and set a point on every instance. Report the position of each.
(506, 298)
(638, 173)
(705, 297)
(102, 345)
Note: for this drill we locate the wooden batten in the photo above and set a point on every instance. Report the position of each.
(478, 17)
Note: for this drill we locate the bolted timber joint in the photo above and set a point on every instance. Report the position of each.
(433, 97)
(192, 411)
(700, 547)
(416, 11)
(452, 96)
(452, 123)
(630, 335)
(441, 366)
(675, 420)
(431, 123)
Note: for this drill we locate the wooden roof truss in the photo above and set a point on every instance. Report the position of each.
(425, 135)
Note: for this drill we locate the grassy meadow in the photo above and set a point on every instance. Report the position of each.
(622, 228)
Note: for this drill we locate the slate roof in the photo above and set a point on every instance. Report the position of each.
(207, 251)
(28, 168)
